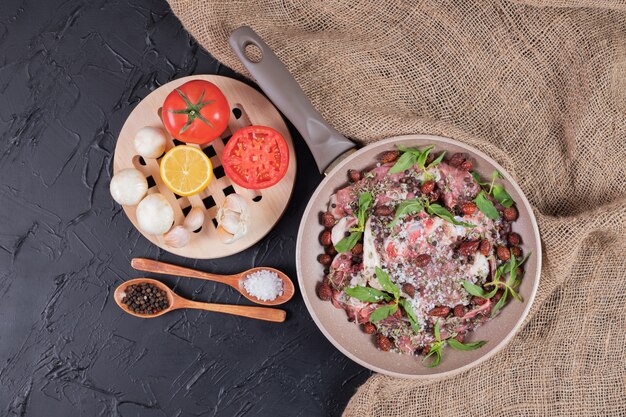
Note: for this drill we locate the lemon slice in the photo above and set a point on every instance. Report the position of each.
(186, 170)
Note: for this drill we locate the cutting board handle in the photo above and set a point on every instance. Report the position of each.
(272, 76)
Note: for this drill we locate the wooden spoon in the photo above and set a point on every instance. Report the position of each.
(235, 281)
(176, 302)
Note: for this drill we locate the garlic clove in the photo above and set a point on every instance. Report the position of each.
(178, 237)
(230, 221)
(225, 236)
(236, 203)
(194, 219)
(232, 218)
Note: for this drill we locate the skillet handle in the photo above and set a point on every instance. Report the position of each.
(270, 73)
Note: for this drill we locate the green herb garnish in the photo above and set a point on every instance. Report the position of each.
(406, 161)
(385, 281)
(500, 194)
(367, 294)
(440, 211)
(486, 206)
(408, 308)
(383, 312)
(391, 293)
(466, 346)
(496, 190)
(510, 285)
(478, 291)
(412, 156)
(436, 349)
(347, 243)
(406, 208)
(418, 204)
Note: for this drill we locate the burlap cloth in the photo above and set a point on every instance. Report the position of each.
(538, 85)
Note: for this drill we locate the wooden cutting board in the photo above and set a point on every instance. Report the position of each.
(248, 107)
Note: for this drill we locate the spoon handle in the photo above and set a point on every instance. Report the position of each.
(259, 313)
(158, 267)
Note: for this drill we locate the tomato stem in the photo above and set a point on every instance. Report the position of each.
(193, 110)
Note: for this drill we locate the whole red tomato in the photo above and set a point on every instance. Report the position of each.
(196, 112)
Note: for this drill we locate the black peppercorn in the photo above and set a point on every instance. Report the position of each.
(145, 299)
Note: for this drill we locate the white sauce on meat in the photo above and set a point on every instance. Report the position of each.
(480, 267)
(371, 259)
(339, 230)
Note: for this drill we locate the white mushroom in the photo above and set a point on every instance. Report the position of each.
(128, 187)
(150, 142)
(155, 214)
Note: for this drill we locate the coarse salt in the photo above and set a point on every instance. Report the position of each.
(264, 285)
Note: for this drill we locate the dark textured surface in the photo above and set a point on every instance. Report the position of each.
(70, 73)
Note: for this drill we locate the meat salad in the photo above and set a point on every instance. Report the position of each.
(419, 251)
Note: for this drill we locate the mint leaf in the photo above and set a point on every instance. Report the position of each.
(500, 302)
(437, 331)
(516, 295)
(402, 148)
(347, 243)
(474, 290)
(408, 308)
(421, 159)
(406, 161)
(365, 200)
(512, 269)
(486, 206)
(439, 211)
(383, 312)
(478, 179)
(466, 346)
(500, 194)
(405, 208)
(367, 294)
(437, 161)
(385, 282)
(436, 361)
(524, 259)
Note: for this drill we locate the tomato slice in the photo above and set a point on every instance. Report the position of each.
(256, 157)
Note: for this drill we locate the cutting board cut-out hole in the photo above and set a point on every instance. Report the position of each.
(208, 202)
(214, 222)
(209, 151)
(198, 230)
(186, 211)
(257, 198)
(240, 114)
(219, 172)
(151, 182)
(226, 139)
(177, 142)
(142, 161)
(229, 190)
